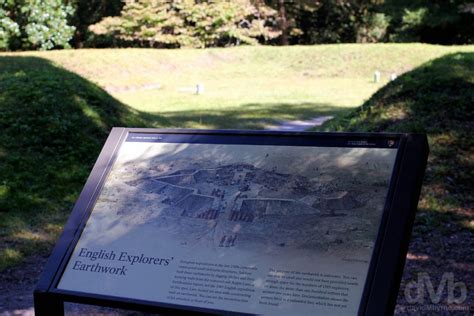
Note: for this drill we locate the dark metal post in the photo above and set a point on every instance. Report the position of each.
(46, 305)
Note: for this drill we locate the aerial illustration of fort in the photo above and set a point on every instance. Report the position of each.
(252, 202)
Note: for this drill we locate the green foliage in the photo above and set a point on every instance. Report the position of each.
(8, 28)
(431, 21)
(332, 21)
(226, 23)
(53, 125)
(88, 12)
(34, 24)
(436, 99)
(348, 21)
(411, 25)
(373, 29)
(46, 24)
(191, 23)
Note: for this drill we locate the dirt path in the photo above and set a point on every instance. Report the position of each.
(436, 256)
(299, 125)
(16, 293)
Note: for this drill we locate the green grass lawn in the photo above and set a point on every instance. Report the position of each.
(245, 87)
(55, 114)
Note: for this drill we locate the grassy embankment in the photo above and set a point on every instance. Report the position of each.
(437, 99)
(54, 114)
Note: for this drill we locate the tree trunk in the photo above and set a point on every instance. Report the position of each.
(282, 22)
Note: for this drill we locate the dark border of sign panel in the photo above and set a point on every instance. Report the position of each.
(386, 266)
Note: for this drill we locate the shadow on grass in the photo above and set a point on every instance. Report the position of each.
(247, 116)
(53, 125)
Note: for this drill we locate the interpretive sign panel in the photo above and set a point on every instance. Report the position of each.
(238, 222)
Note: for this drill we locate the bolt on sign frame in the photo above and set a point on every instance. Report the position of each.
(240, 222)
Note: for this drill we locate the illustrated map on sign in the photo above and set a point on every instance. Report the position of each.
(252, 202)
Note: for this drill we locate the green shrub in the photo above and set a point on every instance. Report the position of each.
(34, 24)
(8, 28)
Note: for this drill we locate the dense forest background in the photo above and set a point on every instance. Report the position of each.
(49, 24)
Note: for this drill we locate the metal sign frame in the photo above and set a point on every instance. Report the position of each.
(386, 267)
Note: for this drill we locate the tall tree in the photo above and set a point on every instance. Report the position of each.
(187, 23)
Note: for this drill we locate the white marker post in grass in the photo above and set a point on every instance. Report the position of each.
(377, 75)
(197, 89)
